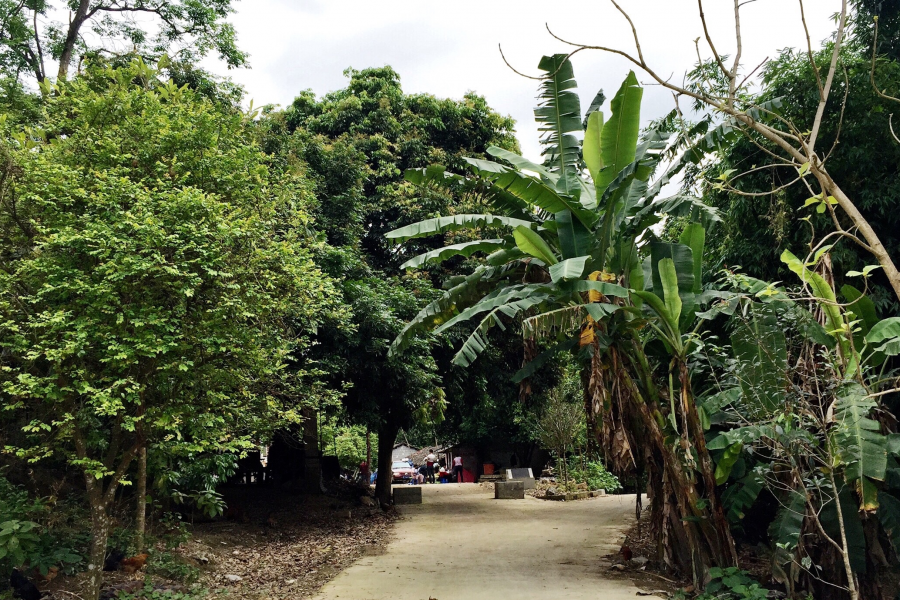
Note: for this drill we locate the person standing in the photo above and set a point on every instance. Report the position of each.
(364, 472)
(429, 463)
(457, 469)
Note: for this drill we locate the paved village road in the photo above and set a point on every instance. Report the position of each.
(461, 544)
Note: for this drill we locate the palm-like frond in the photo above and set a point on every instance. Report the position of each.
(438, 225)
(558, 115)
(473, 189)
(530, 189)
(466, 292)
(476, 343)
(466, 249)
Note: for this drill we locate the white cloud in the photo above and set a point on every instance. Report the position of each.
(449, 48)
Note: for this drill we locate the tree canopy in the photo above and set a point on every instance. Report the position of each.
(136, 223)
(34, 34)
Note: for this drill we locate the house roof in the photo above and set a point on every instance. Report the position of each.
(419, 456)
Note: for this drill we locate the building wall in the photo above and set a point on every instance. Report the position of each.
(402, 451)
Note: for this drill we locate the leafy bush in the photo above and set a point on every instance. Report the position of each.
(27, 539)
(150, 593)
(15, 503)
(170, 566)
(191, 481)
(18, 542)
(730, 584)
(594, 473)
(174, 531)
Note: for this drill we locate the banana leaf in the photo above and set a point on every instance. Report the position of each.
(532, 244)
(466, 249)
(558, 115)
(619, 136)
(438, 225)
(860, 446)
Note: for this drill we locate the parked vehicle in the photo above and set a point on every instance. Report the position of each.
(401, 471)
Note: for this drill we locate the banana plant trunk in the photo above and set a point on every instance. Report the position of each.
(691, 529)
(706, 468)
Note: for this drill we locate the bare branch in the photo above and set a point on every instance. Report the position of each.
(637, 42)
(809, 50)
(837, 136)
(737, 55)
(872, 70)
(891, 127)
(40, 52)
(512, 68)
(829, 79)
(709, 41)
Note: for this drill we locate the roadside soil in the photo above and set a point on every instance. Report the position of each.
(281, 546)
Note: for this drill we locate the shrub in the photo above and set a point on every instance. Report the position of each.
(594, 473)
(730, 584)
(170, 566)
(26, 538)
(150, 593)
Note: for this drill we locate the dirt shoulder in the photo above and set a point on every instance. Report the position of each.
(274, 545)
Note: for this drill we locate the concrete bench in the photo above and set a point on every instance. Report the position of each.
(509, 490)
(408, 494)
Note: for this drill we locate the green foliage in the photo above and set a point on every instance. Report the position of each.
(594, 474)
(43, 538)
(209, 502)
(30, 37)
(760, 350)
(169, 565)
(138, 237)
(151, 593)
(757, 229)
(731, 584)
(192, 479)
(354, 144)
(561, 424)
(347, 442)
(18, 542)
(861, 449)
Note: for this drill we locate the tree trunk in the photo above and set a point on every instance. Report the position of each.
(387, 433)
(99, 539)
(75, 23)
(862, 224)
(140, 517)
(368, 451)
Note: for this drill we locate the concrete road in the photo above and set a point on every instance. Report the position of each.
(461, 544)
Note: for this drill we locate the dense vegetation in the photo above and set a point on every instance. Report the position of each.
(181, 280)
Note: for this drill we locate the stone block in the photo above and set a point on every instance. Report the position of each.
(408, 494)
(509, 490)
(524, 475)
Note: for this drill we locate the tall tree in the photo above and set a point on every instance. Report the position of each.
(135, 227)
(32, 38)
(355, 144)
(763, 211)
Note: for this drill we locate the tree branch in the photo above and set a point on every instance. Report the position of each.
(823, 99)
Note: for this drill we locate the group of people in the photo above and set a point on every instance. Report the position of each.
(433, 471)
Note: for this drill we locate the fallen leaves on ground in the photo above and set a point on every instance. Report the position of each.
(291, 547)
(285, 547)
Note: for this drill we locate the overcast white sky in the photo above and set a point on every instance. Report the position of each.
(449, 48)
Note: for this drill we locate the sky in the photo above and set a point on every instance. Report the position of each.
(450, 48)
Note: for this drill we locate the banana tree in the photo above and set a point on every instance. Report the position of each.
(564, 244)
